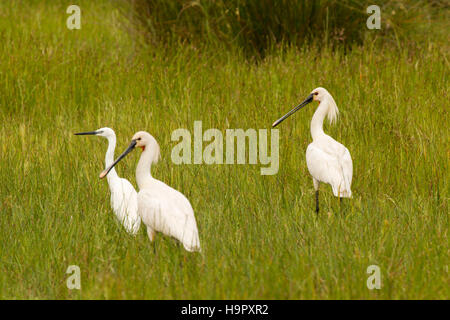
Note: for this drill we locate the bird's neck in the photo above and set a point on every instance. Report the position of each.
(109, 157)
(143, 174)
(317, 119)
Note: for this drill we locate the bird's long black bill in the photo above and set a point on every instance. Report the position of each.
(301, 105)
(129, 149)
(86, 133)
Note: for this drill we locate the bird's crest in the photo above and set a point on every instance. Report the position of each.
(333, 111)
(155, 149)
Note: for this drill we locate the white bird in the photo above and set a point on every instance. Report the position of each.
(160, 207)
(123, 195)
(328, 161)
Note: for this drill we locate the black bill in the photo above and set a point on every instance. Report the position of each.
(87, 133)
(301, 105)
(129, 149)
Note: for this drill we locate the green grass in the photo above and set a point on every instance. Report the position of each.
(260, 235)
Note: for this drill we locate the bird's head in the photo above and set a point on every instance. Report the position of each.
(319, 94)
(142, 139)
(102, 132)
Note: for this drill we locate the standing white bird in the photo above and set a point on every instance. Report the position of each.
(328, 160)
(160, 207)
(123, 195)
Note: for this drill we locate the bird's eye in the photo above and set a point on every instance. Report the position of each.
(316, 93)
(138, 139)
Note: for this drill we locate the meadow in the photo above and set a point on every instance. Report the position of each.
(260, 236)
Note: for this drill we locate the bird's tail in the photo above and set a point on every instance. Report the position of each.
(342, 190)
(194, 246)
(192, 243)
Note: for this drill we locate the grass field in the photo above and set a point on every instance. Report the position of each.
(260, 236)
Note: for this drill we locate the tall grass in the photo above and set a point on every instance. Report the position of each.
(258, 25)
(260, 235)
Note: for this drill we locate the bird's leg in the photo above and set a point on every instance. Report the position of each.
(150, 233)
(317, 201)
(316, 187)
(341, 206)
(151, 236)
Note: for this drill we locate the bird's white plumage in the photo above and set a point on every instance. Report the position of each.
(166, 210)
(161, 208)
(124, 202)
(123, 195)
(328, 161)
(331, 163)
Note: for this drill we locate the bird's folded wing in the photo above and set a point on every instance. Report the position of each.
(335, 169)
(322, 165)
(347, 167)
(170, 215)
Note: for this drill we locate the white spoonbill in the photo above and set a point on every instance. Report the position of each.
(328, 160)
(123, 195)
(160, 207)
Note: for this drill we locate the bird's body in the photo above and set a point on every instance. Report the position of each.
(123, 195)
(166, 210)
(327, 160)
(124, 202)
(330, 162)
(161, 208)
